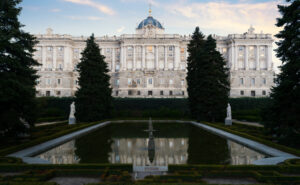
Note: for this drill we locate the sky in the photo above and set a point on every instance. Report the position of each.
(116, 17)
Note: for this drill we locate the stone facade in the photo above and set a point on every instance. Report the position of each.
(151, 63)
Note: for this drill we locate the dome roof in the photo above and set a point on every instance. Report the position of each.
(150, 21)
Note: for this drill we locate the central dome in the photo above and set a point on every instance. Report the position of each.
(150, 21)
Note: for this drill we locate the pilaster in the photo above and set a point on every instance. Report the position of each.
(257, 58)
(54, 58)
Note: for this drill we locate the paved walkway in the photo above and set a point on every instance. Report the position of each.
(247, 123)
(48, 123)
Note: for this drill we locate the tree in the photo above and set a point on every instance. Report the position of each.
(281, 117)
(208, 85)
(17, 76)
(93, 99)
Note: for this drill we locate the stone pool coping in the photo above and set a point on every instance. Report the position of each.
(277, 155)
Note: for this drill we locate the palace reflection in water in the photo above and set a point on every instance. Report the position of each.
(134, 151)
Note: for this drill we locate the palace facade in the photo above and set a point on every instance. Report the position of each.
(151, 63)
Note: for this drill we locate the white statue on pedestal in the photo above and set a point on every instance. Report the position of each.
(228, 119)
(72, 119)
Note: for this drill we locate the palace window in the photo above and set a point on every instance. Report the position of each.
(241, 81)
(107, 50)
(138, 81)
(252, 93)
(171, 82)
(130, 92)
(182, 93)
(252, 81)
(117, 82)
(117, 93)
(48, 81)
(182, 82)
(58, 81)
(48, 93)
(58, 93)
(264, 81)
(129, 81)
(149, 93)
(161, 93)
(138, 92)
(49, 48)
(149, 48)
(264, 93)
(171, 93)
(60, 48)
(181, 50)
(150, 81)
(170, 48)
(241, 93)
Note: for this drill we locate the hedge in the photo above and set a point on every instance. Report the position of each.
(53, 108)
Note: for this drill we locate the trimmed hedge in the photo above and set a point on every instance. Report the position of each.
(53, 108)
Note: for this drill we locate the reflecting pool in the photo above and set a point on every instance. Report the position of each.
(127, 143)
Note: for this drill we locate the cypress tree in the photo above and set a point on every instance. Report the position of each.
(196, 51)
(17, 76)
(93, 99)
(281, 117)
(207, 78)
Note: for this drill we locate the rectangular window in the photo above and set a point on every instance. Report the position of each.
(241, 93)
(117, 93)
(182, 82)
(150, 81)
(161, 93)
(130, 92)
(129, 81)
(171, 82)
(58, 81)
(58, 93)
(107, 50)
(241, 81)
(49, 48)
(170, 48)
(182, 93)
(138, 92)
(252, 93)
(48, 93)
(48, 81)
(264, 81)
(117, 82)
(149, 93)
(252, 81)
(60, 48)
(171, 93)
(138, 81)
(264, 93)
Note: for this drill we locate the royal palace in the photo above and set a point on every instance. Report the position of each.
(151, 63)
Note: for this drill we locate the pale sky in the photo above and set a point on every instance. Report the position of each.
(116, 17)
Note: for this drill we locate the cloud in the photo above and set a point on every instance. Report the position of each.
(152, 2)
(102, 8)
(121, 29)
(55, 10)
(90, 18)
(221, 15)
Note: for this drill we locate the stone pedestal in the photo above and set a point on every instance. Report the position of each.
(228, 121)
(72, 121)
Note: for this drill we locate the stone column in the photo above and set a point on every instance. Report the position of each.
(166, 59)
(134, 59)
(54, 58)
(246, 58)
(257, 58)
(121, 58)
(44, 57)
(156, 58)
(125, 58)
(143, 57)
(65, 61)
(235, 57)
(113, 60)
(269, 59)
(177, 57)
